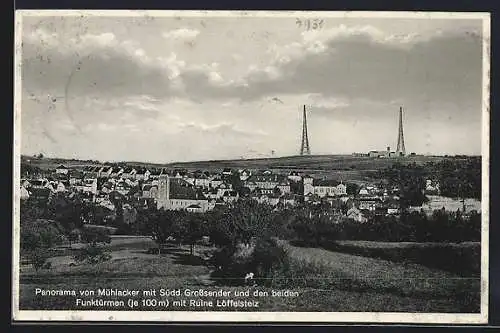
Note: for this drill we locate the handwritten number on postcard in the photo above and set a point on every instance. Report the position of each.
(310, 24)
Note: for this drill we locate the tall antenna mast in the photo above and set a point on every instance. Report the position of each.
(401, 140)
(304, 146)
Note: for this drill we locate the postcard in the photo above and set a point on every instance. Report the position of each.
(259, 166)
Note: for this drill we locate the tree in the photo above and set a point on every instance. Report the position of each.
(189, 228)
(37, 237)
(352, 188)
(95, 250)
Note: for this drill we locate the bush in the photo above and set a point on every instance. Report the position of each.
(96, 235)
(93, 254)
(268, 260)
(38, 259)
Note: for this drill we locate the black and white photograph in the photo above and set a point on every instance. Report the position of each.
(251, 166)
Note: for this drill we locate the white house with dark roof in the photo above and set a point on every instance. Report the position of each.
(61, 169)
(142, 174)
(129, 173)
(216, 181)
(245, 174)
(324, 187)
(202, 181)
(264, 181)
(24, 193)
(105, 172)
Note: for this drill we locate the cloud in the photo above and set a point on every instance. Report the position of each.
(101, 64)
(353, 63)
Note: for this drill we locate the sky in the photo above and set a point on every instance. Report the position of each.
(165, 89)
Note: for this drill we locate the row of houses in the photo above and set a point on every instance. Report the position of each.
(202, 191)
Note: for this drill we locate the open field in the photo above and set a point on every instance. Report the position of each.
(314, 163)
(355, 283)
(345, 167)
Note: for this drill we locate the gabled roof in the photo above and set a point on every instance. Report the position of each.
(61, 167)
(180, 189)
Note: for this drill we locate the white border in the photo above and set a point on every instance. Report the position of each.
(192, 316)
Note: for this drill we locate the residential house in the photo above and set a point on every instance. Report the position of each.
(122, 188)
(155, 173)
(131, 182)
(25, 183)
(116, 172)
(212, 193)
(75, 176)
(190, 178)
(432, 187)
(129, 173)
(284, 186)
(62, 186)
(142, 174)
(288, 199)
(179, 173)
(270, 199)
(250, 185)
(222, 189)
(230, 196)
(266, 180)
(105, 172)
(245, 174)
(149, 191)
(216, 181)
(61, 169)
(363, 191)
(369, 203)
(324, 187)
(393, 207)
(107, 187)
(294, 176)
(328, 187)
(227, 172)
(107, 204)
(87, 185)
(202, 181)
(23, 193)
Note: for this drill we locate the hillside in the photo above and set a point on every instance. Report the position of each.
(345, 167)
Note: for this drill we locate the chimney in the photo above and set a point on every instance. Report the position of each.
(388, 148)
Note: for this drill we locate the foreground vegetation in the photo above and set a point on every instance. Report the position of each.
(336, 282)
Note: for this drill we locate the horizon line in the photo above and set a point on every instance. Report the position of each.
(241, 159)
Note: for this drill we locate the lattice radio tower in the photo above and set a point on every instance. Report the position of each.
(401, 140)
(304, 146)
